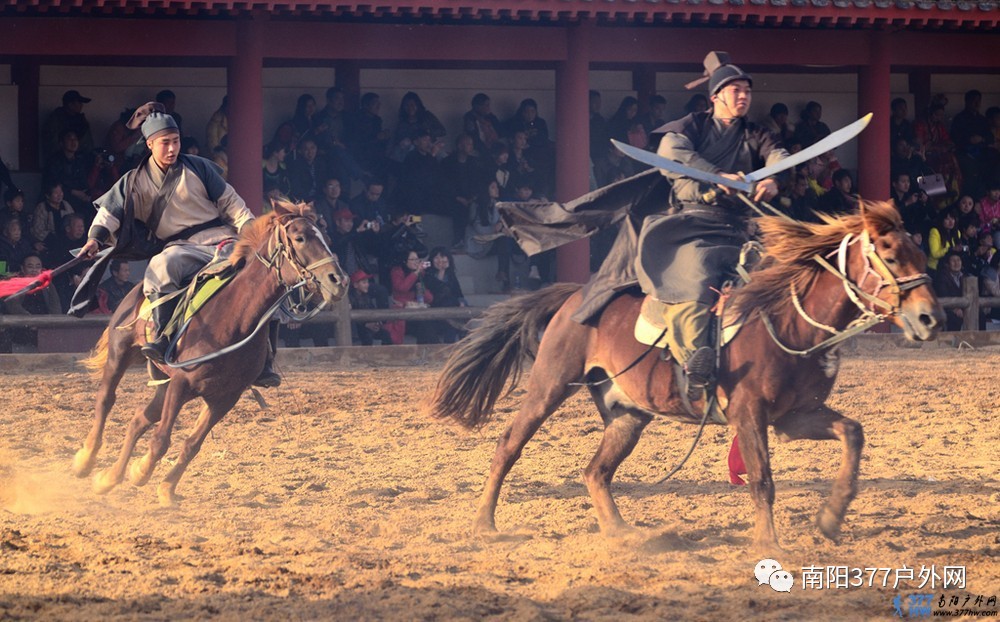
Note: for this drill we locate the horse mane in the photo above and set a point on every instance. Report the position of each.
(255, 234)
(792, 245)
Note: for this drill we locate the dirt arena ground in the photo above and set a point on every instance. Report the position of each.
(344, 502)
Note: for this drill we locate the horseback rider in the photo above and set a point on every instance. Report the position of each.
(181, 208)
(685, 254)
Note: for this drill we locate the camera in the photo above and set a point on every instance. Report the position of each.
(106, 155)
(425, 265)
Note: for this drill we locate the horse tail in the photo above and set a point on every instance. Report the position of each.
(98, 356)
(479, 368)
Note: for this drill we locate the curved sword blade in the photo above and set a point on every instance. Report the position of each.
(647, 157)
(832, 141)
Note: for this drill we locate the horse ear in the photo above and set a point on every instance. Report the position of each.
(280, 207)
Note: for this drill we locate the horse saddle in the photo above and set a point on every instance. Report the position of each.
(209, 281)
(651, 330)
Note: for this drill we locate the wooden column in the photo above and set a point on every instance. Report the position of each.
(246, 113)
(644, 83)
(25, 74)
(920, 86)
(573, 143)
(873, 144)
(347, 75)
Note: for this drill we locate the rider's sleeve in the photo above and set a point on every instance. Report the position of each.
(772, 149)
(233, 208)
(110, 211)
(678, 147)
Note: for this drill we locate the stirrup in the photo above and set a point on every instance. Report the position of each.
(268, 378)
(700, 368)
(156, 351)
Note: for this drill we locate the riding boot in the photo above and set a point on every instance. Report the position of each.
(156, 350)
(688, 337)
(268, 377)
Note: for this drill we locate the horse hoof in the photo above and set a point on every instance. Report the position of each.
(619, 531)
(139, 473)
(104, 482)
(83, 463)
(829, 524)
(484, 528)
(165, 493)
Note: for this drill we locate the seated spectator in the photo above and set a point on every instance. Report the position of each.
(408, 291)
(413, 119)
(697, 103)
(350, 245)
(485, 224)
(44, 302)
(810, 129)
(445, 291)
(840, 199)
(461, 173)
(906, 159)
(13, 200)
(366, 137)
(71, 168)
(328, 204)
(220, 157)
(72, 235)
(105, 171)
(526, 120)
(293, 333)
(948, 284)
(370, 205)
(656, 115)
(218, 126)
(275, 173)
(329, 123)
(305, 110)
(777, 122)
(969, 128)
(968, 217)
(47, 213)
(614, 166)
(366, 333)
(935, 143)
(397, 237)
(113, 289)
(123, 143)
(13, 245)
(621, 120)
(981, 256)
(989, 211)
(169, 100)
(286, 138)
(598, 129)
(944, 238)
(801, 201)
(190, 146)
(821, 169)
(67, 118)
(498, 168)
(899, 126)
(481, 123)
(419, 185)
(918, 215)
(308, 172)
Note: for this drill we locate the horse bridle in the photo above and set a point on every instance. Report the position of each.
(874, 266)
(281, 250)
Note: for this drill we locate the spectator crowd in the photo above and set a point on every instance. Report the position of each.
(372, 181)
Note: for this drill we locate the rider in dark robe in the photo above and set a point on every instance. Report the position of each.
(686, 253)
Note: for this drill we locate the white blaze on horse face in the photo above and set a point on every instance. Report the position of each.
(763, 570)
(781, 581)
(319, 234)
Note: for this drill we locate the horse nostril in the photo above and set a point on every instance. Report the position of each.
(928, 320)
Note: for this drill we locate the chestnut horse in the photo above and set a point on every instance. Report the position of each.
(276, 252)
(762, 382)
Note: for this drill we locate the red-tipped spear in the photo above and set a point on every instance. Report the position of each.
(17, 286)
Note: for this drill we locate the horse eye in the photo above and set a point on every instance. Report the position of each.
(890, 261)
(300, 239)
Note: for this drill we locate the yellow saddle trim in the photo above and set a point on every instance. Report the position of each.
(649, 325)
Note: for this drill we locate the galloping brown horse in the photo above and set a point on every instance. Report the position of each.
(762, 383)
(276, 252)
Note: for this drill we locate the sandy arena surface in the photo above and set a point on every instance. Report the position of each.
(346, 502)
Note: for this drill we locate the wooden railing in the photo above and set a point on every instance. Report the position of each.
(342, 316)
